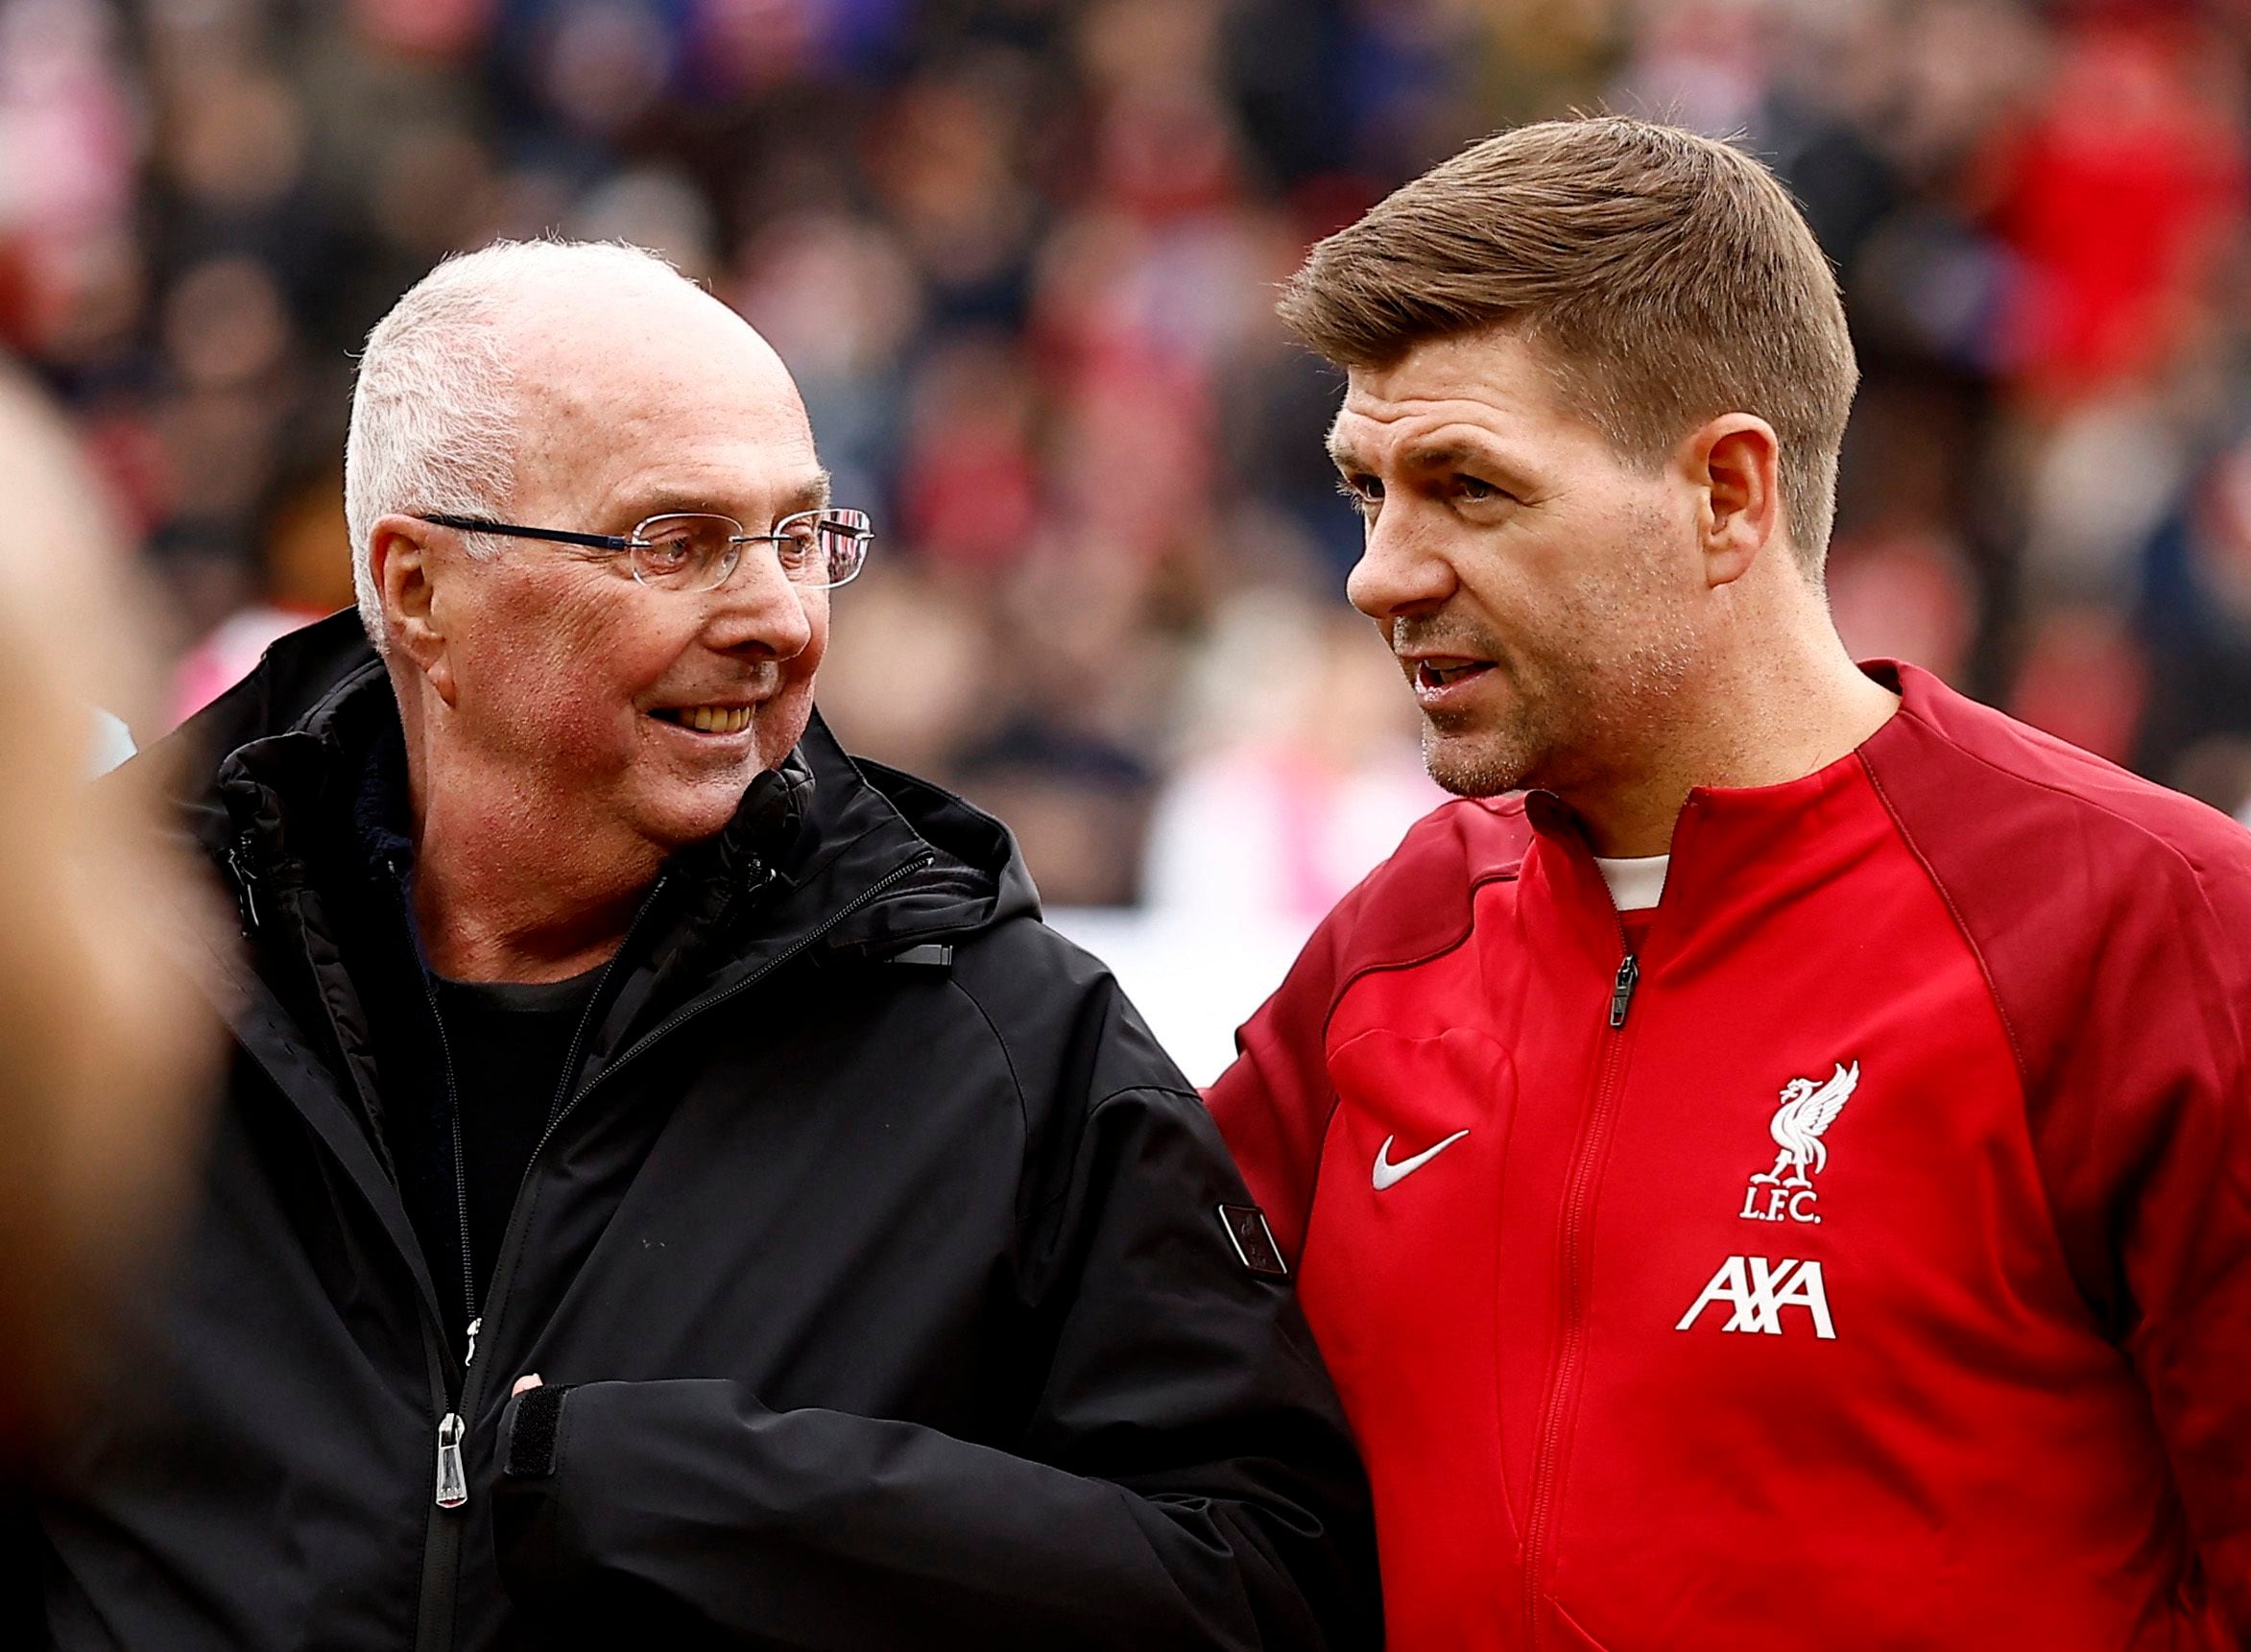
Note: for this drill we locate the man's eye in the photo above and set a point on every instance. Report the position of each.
(1364, 491)
(1470, 487)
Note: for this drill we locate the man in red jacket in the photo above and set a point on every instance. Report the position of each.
(1771, 1166)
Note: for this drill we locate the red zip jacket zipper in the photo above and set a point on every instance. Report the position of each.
(1563, 1386)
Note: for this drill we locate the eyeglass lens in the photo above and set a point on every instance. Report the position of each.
(693, 552)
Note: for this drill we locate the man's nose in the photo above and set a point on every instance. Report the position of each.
(758, 608)
(1403, 570)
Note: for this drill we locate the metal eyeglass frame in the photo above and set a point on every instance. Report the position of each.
(637, 541)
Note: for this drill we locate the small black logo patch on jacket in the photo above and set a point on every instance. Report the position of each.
(1253, 1239)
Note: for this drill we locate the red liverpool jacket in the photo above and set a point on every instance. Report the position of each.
(1864, 1263)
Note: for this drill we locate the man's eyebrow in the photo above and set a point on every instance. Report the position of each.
(660, 502)
(813, 494)
(806, 493)
(1448, 455)
(1423, 456)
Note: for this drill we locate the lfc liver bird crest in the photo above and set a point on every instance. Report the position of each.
(1808, 1110)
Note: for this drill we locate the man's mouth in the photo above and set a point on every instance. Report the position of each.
(707, 719)
(1443, 671)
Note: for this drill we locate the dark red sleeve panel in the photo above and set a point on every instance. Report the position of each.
(1273, 1103)
(2113, 920)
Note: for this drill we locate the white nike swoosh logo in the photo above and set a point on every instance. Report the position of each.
(1386, 1172)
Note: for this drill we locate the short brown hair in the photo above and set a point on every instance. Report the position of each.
(1669, 277)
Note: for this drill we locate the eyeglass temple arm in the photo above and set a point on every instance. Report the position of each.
(863, 534)
(511, 531)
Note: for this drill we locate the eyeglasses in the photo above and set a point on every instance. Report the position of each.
(691, 551)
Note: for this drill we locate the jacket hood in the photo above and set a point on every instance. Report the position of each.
(288, 752)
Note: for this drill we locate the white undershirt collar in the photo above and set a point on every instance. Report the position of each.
(1636, 884)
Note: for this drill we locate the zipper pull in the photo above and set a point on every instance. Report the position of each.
(470, 1357)
(245, 884)
(453, 1485)
(1621, 990)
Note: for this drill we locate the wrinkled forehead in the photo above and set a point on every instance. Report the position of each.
(612, 391)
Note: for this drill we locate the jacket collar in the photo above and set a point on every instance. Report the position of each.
(303, 762)
(1736, 850)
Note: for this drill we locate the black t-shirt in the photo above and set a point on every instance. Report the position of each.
(507, 1043)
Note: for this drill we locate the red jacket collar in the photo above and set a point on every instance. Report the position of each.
(1731, 843)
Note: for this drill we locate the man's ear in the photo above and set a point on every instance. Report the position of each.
(409, 568)
(1735, 462)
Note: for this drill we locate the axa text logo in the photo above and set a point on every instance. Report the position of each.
(1758, 1291)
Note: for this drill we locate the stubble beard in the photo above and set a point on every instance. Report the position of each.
(1474, 764)
(1575, 716)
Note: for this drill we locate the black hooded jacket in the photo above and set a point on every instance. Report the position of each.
(874, 1258)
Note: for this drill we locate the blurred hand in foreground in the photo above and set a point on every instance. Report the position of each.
(104, 1050)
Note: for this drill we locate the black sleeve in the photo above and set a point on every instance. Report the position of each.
(1185, 1481)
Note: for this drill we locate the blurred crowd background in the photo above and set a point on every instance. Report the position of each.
(1021, 254)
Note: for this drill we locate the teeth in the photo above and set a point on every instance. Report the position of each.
(715, 719)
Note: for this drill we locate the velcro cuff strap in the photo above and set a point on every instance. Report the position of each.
(532, 1436)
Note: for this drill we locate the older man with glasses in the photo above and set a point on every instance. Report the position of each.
(673, 1191)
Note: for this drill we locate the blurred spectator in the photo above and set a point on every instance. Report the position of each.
(1019, 254)
(1303, 769)
(301, 577)
(2217, 771)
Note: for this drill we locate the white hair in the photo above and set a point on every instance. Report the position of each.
(434, 414)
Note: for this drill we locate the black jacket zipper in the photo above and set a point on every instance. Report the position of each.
(452, 1490)
(442, 1556)
(441, 1540)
